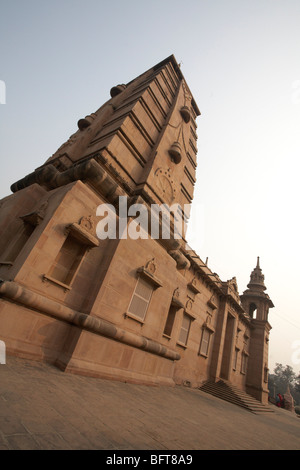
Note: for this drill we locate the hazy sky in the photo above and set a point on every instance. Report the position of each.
(241, 60)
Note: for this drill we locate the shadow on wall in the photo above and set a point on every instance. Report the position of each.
(59, 343)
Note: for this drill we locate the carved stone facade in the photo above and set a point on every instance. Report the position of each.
(145, 310)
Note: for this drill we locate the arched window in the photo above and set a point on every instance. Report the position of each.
(252, 310)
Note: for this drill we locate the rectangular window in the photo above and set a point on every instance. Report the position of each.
(244, 363)
(205, 342)
(68, 261)
(141, 298)
(170, 320)
(185, 329)
(235, 359)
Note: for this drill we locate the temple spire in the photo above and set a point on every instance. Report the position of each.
(257, 279)
(254, 298)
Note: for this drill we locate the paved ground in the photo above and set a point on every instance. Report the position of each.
(44, 408)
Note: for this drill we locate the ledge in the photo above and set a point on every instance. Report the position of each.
(34, 301)
(134, 317)
(184, 346)
(203, 355)
(149, 277)
(190, 314)
(206, 326)
(83, 236)
(55, 281)
(166, 336)
(176, 302)
(194, 287)
(211, 304)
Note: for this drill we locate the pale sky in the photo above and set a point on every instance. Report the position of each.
(241, 60)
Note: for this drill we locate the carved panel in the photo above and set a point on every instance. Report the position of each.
(165, 184)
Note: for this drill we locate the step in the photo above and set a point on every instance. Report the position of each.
(229, 392)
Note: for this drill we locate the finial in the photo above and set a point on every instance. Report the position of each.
(257, 278)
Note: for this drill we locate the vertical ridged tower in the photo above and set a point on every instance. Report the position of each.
(257, 303)
(59, 282)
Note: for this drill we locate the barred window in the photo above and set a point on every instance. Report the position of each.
(185, 329)
(244, 363)
(141, 299)
(205, 340)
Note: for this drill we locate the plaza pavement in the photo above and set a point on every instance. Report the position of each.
(43, 408)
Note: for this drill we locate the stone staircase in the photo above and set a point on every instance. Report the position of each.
(228, 392)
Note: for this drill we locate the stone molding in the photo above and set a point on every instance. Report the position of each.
(21, 295)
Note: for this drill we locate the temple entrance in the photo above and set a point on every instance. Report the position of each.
(227, 349)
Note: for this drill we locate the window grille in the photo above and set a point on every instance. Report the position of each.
(185, 329)
(140, 299)
(205, 342)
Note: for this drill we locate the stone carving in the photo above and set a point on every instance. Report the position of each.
(186, 91)
(86, 122)
(193, 285)
(189, 305)
(87, 223)
(116, 90)
(233, 284)
(208, 318)
(212, 303)
(175, 152)
(181, 260)
(176, 298)
(182, 132)
(34, 218)
(148, 271)
(165, 184)
(150, 266)
(176, 293)
(185, 113)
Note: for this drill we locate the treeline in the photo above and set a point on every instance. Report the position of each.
(282, 378)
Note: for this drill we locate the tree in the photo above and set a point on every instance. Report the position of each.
(297, 384)
(282, 378)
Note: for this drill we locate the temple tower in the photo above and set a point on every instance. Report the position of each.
(97, 305)
(256, 304)
(144, 309)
